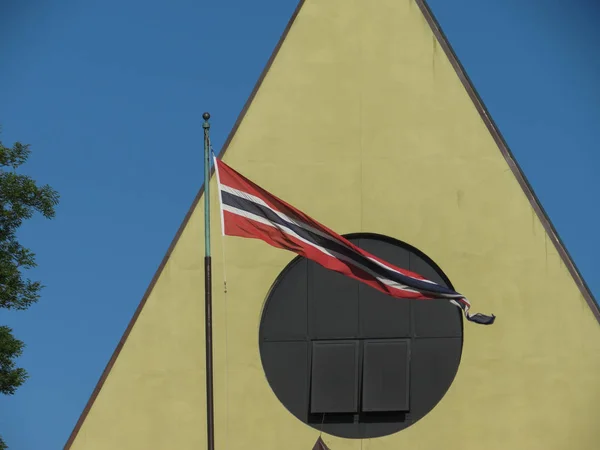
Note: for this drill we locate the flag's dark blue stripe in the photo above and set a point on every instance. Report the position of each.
(332, 245)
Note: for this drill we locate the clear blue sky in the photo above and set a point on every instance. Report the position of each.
(110, 96)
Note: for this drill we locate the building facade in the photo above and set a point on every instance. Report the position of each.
(365, 120)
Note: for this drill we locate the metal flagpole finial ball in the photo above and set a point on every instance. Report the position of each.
(206, 116)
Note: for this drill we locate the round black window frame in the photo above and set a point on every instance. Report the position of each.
(322, 423)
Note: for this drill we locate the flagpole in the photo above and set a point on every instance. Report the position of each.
(210, 422)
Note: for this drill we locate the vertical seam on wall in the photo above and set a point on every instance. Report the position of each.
(360, 123)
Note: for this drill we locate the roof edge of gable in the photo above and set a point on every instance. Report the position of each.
(509, 157)
(182, 227)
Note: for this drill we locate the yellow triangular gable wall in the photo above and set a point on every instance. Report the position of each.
(363, 122)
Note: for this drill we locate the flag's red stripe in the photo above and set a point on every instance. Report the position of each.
(230, 177)
(236, 225)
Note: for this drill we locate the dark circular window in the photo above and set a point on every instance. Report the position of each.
(347, 359)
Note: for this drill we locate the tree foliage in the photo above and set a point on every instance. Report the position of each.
(11, 377)
(20, 199)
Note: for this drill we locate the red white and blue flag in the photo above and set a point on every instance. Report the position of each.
(249, 211)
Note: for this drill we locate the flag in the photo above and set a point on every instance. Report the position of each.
(249, 211)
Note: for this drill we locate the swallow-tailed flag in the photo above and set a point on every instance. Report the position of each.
(249, 211)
